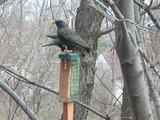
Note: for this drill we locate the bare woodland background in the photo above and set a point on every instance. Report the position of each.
(23, 29)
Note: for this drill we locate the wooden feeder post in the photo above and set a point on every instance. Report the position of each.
(69, 83)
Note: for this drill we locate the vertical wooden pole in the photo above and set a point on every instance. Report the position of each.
(65, 75)
(69, 83)
(68, 110)
(68, 107)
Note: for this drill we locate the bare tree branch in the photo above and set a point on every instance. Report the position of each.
(152, 8)
(103, 32)
(152, 87)
(152, 65)
(50, 4)
(18, 100)
(150, 13)
(118, 15)
(110, 18)
(108, 89)
(49, 89)
(24, 79)
(155, 7)
(1, 1)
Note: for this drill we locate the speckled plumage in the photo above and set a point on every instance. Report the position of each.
(56, 42)
(71, 39)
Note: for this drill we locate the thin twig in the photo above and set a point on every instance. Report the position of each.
(150, 13)
(2, 1)
(152, 64)
(119, 17)
(103, 32)
(26, 80)
(108, 90)
(18, 100)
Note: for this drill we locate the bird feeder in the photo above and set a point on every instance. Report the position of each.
(69, 77)
(69, 83)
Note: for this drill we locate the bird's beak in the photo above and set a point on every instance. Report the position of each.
(51, 21)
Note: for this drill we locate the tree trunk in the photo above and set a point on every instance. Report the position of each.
(150, 79)
(132, 70)
(125, 108)
(88, 23)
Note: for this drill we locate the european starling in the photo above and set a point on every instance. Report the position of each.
(71, 39)
(56, 42)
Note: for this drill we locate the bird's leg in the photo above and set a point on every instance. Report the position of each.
(73, 51)
(65, 50)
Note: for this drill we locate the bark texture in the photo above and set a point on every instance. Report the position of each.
(149, 76)
(133, 72)
(88, 23)
(125, 108)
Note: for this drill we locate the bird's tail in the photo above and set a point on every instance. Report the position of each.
(50, 44)
(52, 36)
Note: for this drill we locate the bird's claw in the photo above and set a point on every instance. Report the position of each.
(68, 52)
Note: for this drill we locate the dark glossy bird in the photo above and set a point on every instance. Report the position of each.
(56, 42)
(71, 39)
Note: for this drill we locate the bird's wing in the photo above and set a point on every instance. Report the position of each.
(73, 37)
